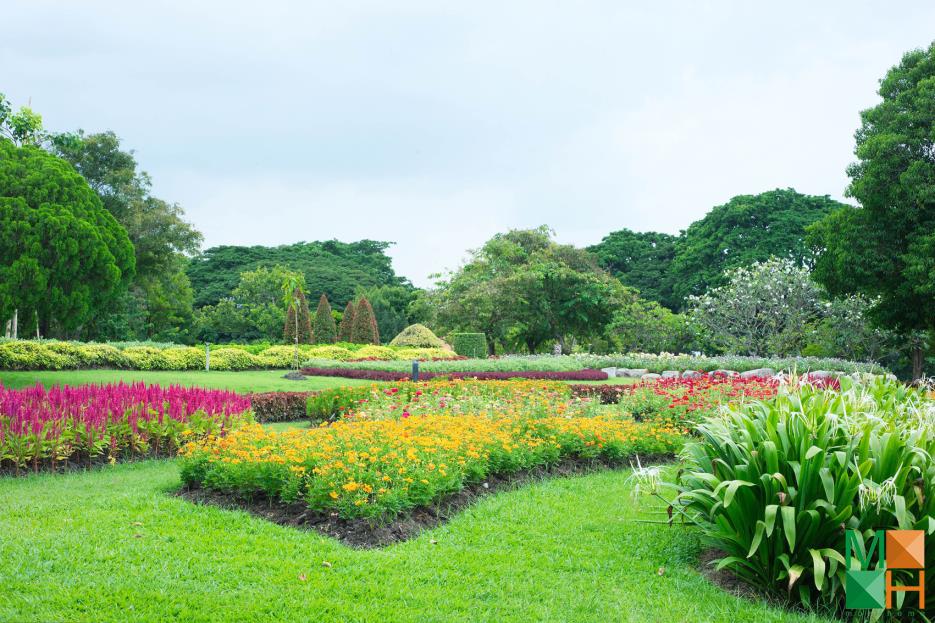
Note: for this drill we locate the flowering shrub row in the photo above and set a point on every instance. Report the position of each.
(380, 468)
(385, 375)
(40, 427)
(54, 355)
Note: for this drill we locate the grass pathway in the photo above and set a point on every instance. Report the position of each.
(111, 545)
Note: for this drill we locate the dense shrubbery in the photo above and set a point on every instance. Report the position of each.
(279, 406)
(472, 345)
(50, 355)
(775, 484)
(651, 362)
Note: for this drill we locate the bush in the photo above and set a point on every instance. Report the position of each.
(324, 331)
(279, 406)
(330, 404)
(20, 355)
(471, 345)
(347, 321)
(775, 484)
(375, 352)
(364, 328)
(338, 353)
(426, 354)
(234, 359)
(417, 336)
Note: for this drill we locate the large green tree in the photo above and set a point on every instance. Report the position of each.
(640, 260)
(161, 296)
(63, 257)
(746, 229)
(523, 288)
(886, 247)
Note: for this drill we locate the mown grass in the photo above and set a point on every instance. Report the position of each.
(243, 382)
(114, 545)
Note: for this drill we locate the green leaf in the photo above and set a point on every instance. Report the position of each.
(788, 525)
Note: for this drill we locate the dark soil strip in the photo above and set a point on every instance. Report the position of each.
(363, 533)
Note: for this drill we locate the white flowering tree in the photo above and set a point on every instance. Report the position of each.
(765, 309)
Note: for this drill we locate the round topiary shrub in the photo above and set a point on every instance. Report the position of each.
(417, 336)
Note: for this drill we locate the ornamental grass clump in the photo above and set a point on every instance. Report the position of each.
(776, 483)
(47, 428)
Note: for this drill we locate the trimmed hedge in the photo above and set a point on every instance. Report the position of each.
(53, 355)
(471, 345)
(382, 375)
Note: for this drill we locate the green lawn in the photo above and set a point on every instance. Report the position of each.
(244, 382)
(111, 545)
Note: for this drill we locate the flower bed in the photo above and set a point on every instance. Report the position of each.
(386, 375)
(49, 428)
(382, 468)
(680, 402)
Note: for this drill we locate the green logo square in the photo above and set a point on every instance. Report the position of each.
(865, 589)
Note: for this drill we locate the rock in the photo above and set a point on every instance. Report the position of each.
(650, 377)
(670, 374)
(725, 373)
(631, 373)
(692, 374)
(759, 372)
(294, 376)
(610, 372)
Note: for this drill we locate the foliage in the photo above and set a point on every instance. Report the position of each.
(161, 303)
(372, 352)
(324, 330)
(641, 260)
(845, 330)
(386, 463)
(640, 325)
(762, 310)
(63, 258)
(885, 248)
(23, 127)
(472, 345)
(419, 336)
(347, 321)
(298, 326)
(745, 230)
(47, 428)
(336, 268)
(523, 288)
(254, 311)
(279, 406)
(648, 361)
(775, 484)
(364, 328)
(390, 306)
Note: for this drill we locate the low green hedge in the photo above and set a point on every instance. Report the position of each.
(55, 355)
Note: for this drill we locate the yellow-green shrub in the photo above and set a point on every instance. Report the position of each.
(329, 352)
(234, 359)
(32, 356)
(281, 356)
(146, 358)
(425, 353)
(417, 336)
(375, 352)
(185, 358)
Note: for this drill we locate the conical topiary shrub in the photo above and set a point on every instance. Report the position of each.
(347, 321)
(304, 324)
(364, 329)
(324, 331)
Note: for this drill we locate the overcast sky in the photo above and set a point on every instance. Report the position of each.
(436, 125)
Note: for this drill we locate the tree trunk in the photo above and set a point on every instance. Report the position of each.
(917, 355)
(9, 323)
(15, 323)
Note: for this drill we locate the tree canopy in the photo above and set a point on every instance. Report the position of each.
(63, 257)
(886, 247)
(640, 260)
(335, 268)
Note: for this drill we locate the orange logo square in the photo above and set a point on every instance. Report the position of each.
(905, 549)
